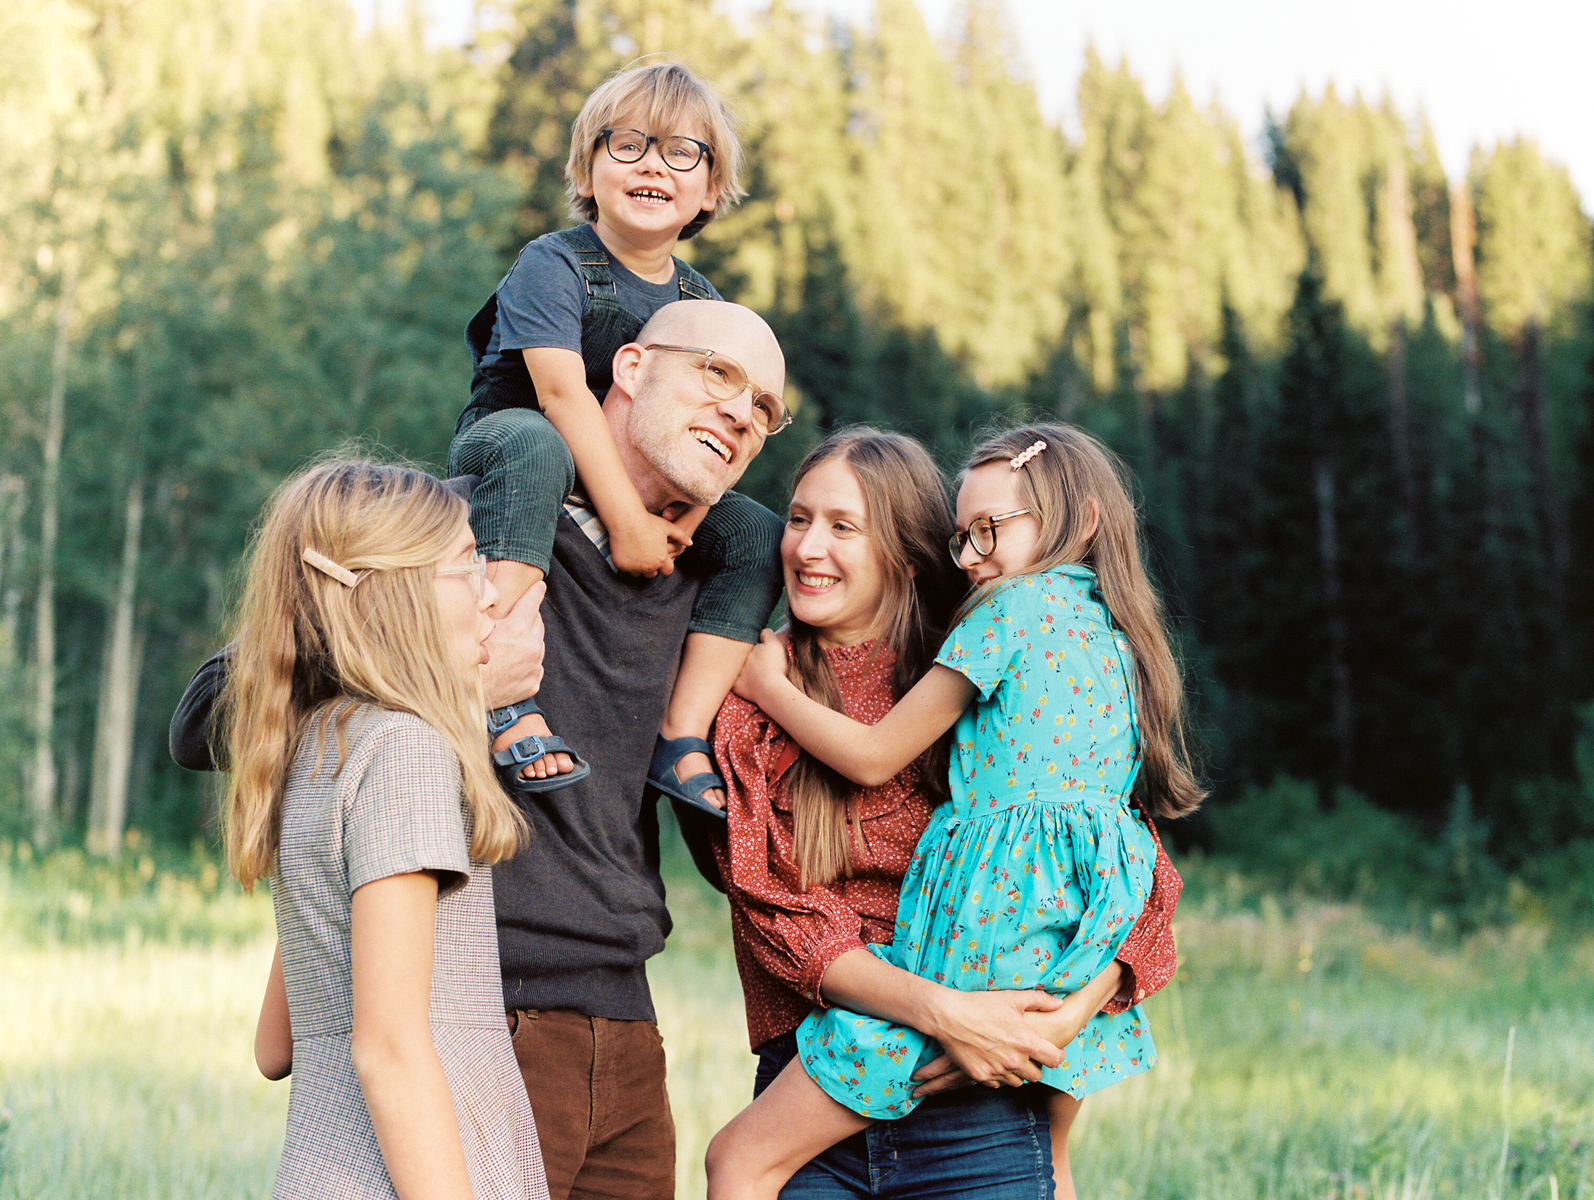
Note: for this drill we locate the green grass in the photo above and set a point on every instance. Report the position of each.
(1306, 1051)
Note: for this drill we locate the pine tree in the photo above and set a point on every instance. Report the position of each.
(793, 114)
(542, 84)
(1222, 581)
(1533, 272)
(1580, 522)
(1012, 234)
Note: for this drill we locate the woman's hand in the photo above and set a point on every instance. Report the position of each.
(987, 1038)
(764, 669)
(986, 1033)
(1063, 1024)
(1059, 1023)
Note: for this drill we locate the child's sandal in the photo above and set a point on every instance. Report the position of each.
(512, 760)
(702, 825)
(667, 752)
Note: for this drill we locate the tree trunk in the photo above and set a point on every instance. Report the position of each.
(13, 502)
(42, 778)
(113, 727)
(1463, 236)
(1338, 630)
(1531, 405)
(1402, 271)
(1400, 436)
(1403, 286)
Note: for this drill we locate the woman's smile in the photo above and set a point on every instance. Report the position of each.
(816, 582)
(835, 580)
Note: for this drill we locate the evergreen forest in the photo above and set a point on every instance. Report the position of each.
(1356, 392)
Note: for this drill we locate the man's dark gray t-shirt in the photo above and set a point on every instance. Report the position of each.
(581, 907)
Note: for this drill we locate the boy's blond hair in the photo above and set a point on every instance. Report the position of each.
(664, 97)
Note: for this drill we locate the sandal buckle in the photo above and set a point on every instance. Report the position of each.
(500, 719)
(517, 751)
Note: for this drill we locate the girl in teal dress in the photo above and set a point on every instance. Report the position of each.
(1065, 705)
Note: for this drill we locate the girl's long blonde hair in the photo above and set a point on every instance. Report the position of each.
(1074, 477)
(909, 522)
(305, 642)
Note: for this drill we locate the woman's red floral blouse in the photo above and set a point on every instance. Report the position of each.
(785, 937)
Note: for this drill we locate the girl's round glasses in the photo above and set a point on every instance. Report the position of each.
(981, 534)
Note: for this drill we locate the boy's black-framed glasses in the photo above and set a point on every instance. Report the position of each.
(724, 379)
(679, 152)
(981, 534)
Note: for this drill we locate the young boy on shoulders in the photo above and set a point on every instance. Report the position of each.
(653, 157)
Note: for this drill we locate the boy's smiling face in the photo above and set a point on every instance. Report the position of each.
(644, 201)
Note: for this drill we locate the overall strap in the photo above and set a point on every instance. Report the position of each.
(607, 324)
(593, 259)
(693, 285)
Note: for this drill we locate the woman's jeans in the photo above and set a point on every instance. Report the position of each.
(994, 1144)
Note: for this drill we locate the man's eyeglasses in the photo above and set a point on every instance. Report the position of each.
(981, 534)
(477, 571)
(724, 379)
(679, 153)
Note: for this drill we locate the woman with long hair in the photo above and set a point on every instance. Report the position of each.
(361, 784)
(814, 863)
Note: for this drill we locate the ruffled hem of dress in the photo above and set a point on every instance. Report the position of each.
(1097, 1067)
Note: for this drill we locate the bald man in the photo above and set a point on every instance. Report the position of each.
(581, 908)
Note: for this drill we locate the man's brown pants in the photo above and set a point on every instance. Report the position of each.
(597, 1092)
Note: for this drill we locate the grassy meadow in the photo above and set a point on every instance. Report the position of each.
(1307, 1052)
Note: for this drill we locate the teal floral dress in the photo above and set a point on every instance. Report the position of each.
(1036, 871)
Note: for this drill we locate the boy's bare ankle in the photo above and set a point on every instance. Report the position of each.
(512, 580)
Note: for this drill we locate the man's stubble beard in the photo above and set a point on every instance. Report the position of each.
(659, 448)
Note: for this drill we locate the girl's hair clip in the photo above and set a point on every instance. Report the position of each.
(1020, 459)
(327, 567)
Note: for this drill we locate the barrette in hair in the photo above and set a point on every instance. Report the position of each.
(327, 567)
(1019, 460)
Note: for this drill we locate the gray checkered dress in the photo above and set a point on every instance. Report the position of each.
(393, 809)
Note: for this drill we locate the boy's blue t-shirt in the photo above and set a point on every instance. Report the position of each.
(543, 300)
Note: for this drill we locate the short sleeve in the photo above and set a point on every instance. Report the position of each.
(1148, 953)
(190, 737)
(988, 645)
(541, 300)
(404, 813)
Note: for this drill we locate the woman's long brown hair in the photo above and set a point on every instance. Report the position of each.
(908, 524)
(1063, 485)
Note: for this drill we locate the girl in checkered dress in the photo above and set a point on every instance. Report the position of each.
(361, 784)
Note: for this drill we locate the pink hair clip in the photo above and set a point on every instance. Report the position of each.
(329, 568)
(1019, 460)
